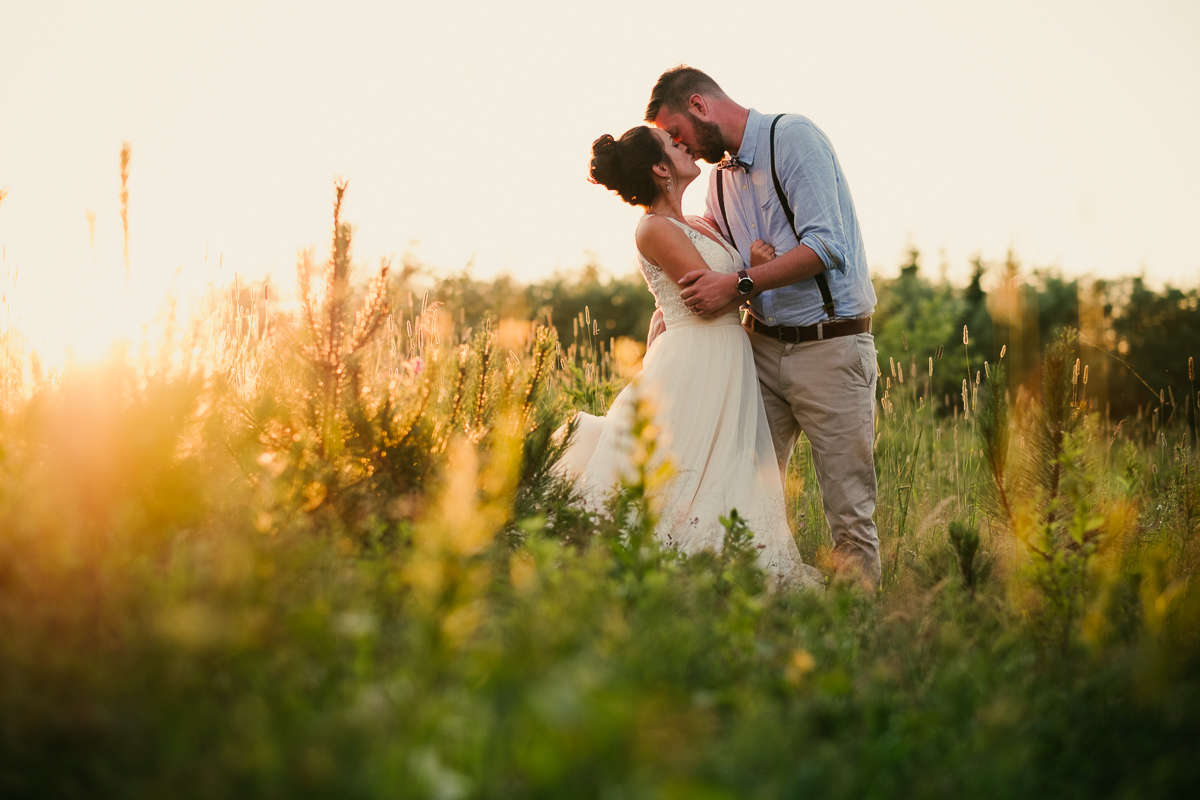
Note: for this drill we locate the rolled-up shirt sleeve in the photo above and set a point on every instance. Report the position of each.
(808, 170)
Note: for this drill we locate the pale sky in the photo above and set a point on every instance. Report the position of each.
(1065, 130)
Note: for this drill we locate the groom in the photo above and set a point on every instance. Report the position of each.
(810, 304)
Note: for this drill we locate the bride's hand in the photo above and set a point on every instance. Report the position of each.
(657, 326)
(761, 253)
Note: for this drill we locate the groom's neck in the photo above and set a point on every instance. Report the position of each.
(735, 126)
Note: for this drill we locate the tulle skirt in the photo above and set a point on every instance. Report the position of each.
(700, 390)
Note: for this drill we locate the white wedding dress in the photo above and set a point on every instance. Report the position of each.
(700, 381)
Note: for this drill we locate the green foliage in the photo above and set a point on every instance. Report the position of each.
(330, 556)
(966, 544)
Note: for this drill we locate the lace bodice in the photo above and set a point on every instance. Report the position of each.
(719, 258)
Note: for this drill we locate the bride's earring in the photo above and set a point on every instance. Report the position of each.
(668, 185)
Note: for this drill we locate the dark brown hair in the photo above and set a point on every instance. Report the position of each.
(675, 86)
(625, 165)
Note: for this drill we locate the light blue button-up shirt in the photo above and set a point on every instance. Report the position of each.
(825, 220)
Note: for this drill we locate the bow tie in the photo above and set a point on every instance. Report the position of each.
(733, 162)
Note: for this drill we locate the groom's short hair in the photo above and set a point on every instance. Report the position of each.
(675, 86)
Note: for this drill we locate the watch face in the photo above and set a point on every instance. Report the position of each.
(745, 285)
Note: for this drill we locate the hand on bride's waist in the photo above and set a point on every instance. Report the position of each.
(708, 294)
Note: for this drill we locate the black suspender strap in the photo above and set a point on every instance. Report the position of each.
(822, 281)
(721, 205)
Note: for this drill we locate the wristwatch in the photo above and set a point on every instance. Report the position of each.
(745, 284)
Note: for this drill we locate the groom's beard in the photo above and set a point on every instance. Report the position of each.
(710, 145)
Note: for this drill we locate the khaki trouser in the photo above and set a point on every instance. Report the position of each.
(827, 390)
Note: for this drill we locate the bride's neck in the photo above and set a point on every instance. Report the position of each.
(670, 205)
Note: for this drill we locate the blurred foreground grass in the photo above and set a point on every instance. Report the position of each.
(321, 554)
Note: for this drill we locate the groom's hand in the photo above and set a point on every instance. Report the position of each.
(706, 292)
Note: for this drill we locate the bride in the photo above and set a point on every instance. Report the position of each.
(698, 377)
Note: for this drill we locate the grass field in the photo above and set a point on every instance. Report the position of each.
(320, 553)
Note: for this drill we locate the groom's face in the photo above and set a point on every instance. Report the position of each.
(701, 137)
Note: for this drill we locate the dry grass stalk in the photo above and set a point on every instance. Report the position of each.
(126, 152)
(481, 392)
(332, 350)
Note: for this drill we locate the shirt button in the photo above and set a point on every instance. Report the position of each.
(743, 187)
(770, 319)
(752, 225)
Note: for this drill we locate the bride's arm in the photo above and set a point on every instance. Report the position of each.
(666, 246)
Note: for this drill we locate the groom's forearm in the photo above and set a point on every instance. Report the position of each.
(798, 264)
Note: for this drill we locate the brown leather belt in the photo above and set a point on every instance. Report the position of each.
(809, 333)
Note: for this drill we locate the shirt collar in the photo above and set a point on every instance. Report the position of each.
(750, 137)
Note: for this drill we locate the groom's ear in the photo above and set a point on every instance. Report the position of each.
(698, 105)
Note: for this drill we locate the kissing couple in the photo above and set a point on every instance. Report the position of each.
(730, 396)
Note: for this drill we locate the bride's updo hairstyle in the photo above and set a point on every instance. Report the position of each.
(624, 165)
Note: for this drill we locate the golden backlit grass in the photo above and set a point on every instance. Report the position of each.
(324, 554)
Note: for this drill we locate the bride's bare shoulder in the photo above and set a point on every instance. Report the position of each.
(656, 228)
